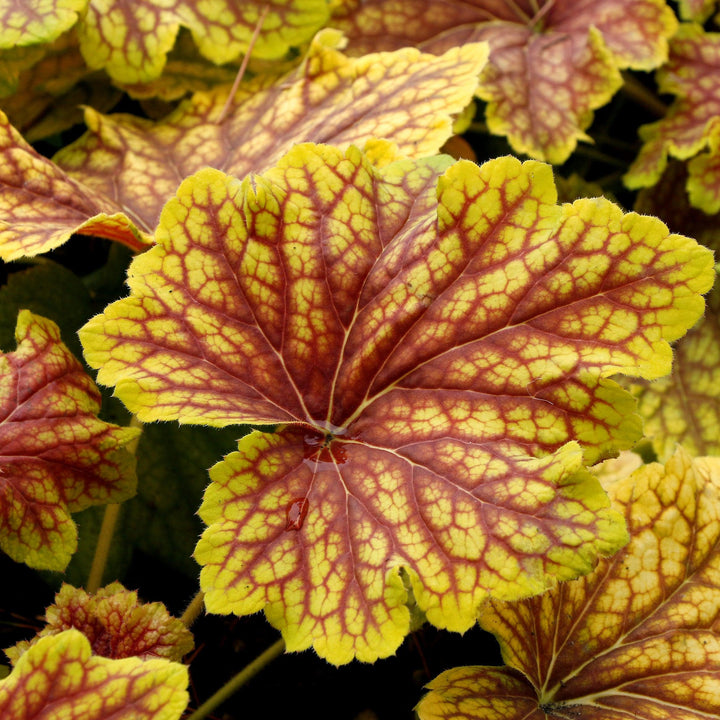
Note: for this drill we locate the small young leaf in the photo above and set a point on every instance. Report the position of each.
(46, 93)
(551, 62)
(60, 678)
(116, 624)
(638, 637)
(432, 337)
(37, 289)
(56, 456)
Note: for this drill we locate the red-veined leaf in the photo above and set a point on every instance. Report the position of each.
(667, 201)
(552, 62)
(130, 39)
(59, 678)
(42, 206)
(132, 166)
(425, 341)
(116, 624)
(692, 74)
(32, 23)
(685, 407)
(638, 637)
(56, 456)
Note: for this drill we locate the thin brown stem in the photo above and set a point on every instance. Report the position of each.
(107, 529)
(637, 92)
(236, 682)
(243, 65)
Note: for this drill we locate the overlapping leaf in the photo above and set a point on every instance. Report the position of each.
(116, 624)
(427, 343)
(691, 125)
(41, 206)
(698, 10)
(130, 39)
(33, 23)
(638, 637)
(668, 201)
(552, 62)
(44, 93)
(132, 166)
(56, 456)
(60, 678)
(685, 407)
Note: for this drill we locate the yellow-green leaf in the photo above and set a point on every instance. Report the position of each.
(692, 73)
(56, 456)
(431, 338)
(59, 678)
(41, 206)
(130, 39)
(132, 166)
(639, 637)
(684, 408)
(38, 22)
(116, 624)
(552, 62)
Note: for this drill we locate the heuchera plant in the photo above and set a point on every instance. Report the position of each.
(438, 386)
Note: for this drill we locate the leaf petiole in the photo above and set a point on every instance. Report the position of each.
(107, 530)
(237, 681)
(193, 610)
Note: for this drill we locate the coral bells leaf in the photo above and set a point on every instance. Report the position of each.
(685, 407)
(689, 129)
(41, 206)
(130, 39)
(33, 23)
(116, 624)
(431, 338)
(552, 62)
(133, 166)
(56, 456)
(59, 677)
(638, 637)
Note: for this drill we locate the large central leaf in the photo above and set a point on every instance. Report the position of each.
(431, 338)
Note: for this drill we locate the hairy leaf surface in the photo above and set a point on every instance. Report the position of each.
(638, 637)
(114, 181)
(431, 338)
(116, 624)
(56, 456)
(59, 678)
(552, 62)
